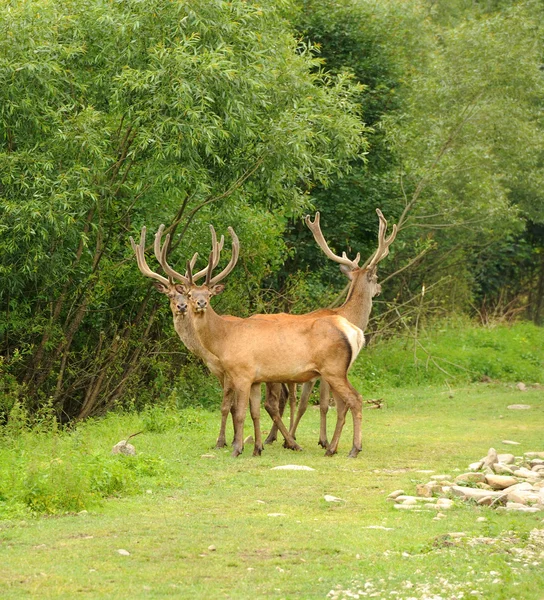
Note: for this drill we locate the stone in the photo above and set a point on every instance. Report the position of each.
(519, 406)
(481, 519)
(444, 503)
(501, 469)
(491, 458)
(525, 473)
(212, 548)
(521, 387)
(329, 498)
(405, 506)
(510, 442)
(470, 478)
(409, 501)
(292, 468)
(207, 456)
(506, 459)
(394, 494)
(476, 466)
(523, 497)
(123, 447)
(123, 552)
(474, 493)
(527, 509)
(534, 454)
(482, 485)
(276, 515)
(522, 486)
(500, 482)
(536, 461)
(249, 440)
(427, 489)
(416, 499)
(440, 477)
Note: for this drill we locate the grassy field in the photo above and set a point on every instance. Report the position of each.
(201, 527)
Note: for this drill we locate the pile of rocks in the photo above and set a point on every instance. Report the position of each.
(503, 481)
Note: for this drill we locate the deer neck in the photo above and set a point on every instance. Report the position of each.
(185, 328)
(358, 305)
(209, 328)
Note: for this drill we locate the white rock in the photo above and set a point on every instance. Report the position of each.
(506, 459)
(519, 406)
(207, 456)
(476, 466)
(521, 386)
(249, 440)
(475, 493)
(501, 469)
(522, 497)
(510, 442)
(123, 552)
(534, 454)
(123, 447)
(405, 506)
(276, 515)
(491, 458)
(440, 477)
(292, 468)
(470, 478)
(378, 527)
(329, 498)
(212, 548)
(444, 503)
(500, 482)
(522, 486)
(394, 494)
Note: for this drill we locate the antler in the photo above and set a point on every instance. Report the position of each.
(233, 260)
(319, 238)
(139, 250)
(383, 242)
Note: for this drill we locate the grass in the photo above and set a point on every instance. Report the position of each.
(176, 504)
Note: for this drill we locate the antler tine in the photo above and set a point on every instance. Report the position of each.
(233, 259)
(315, 228)
(383, 242)
(214, 256)
(160, 254)
(209, 269)
(139, 251)
(190, 280)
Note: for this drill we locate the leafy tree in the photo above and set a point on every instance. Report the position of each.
(115, 115)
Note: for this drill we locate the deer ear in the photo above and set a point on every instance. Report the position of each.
(347, 271)
(180, 288)
(161, 287)
(217, 289)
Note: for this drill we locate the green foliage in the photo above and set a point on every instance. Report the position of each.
(116, 115)
(453, 353)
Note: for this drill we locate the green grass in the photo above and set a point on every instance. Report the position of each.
(175, 504)
(454, 351)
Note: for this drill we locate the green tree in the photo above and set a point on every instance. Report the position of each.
(115, 115)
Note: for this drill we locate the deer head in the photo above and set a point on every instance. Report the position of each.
(351, 268)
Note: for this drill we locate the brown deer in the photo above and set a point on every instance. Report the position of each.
(276, 395)
(356, 309)
(277, 348)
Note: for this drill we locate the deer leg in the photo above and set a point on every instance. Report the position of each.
(302, 405)
(324, 394)
(346, 397)
(227, 406)
(240, 409)
(357, 413)
(292, 402)
(255, 410)
(272, 406)
(273, 389)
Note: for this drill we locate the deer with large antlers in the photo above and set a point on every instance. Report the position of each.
(276, 395)
(356, 309)
(276, 348)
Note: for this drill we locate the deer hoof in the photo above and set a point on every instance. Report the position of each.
(270, 439)
(257, 451)
(354, 452)
(330, 452)
(236, 452)
(323, 443)
(220, 444)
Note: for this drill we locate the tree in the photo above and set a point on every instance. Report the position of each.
(114, 115)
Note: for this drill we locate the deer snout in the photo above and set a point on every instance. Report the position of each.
(181, 307)
(201, 304)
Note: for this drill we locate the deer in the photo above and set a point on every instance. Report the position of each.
(276, 394)
(276, 348)
(356, 309)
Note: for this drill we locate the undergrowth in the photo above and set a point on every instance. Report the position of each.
(453, 353)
